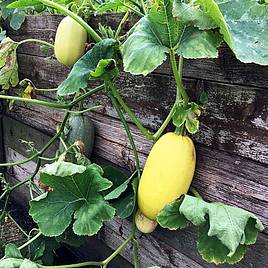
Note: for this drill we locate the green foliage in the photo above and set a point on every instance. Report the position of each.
(171, 218)
(188, 116)
(223, 231)
(122, 194)
(75, 195)
(87, 64)
(157, 33)
(8, 64)
(244, 29)
(15, 16)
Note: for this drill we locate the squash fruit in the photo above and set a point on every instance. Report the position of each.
(80, 129)
(167, 174)
(70, 41)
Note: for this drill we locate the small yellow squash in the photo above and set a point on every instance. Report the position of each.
(70, 41)
(167, 174)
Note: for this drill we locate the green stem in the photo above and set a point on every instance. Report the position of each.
(74, 16)
(132, 9)
(166, 122)
(117, 251)
(76, 265)
(29, 241)
(45, 89)
(195, 192)
(143, 7)
(119, 28)
(181, 92)
(86, 110)
(37, 102)
(87, 94)
(48, 159)
(135, 253)
(97, 263)
(36, 41)
(126, 127)
(137, 122)
(18, 226)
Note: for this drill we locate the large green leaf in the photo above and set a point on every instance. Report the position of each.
(157, 33)
(196, 44)
(192, 15)
(213, 251)
(8, 64)
(231, 226)
(77, 195)
(171, 218)
(80, 73)
(244, 25)
(151, 39)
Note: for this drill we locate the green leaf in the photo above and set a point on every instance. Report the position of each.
(8, 64)
(70, 238)
(23, 3)
(231, 226)
(204, 98)
(196, 44)
(151, 39)
(244, 27)
(63, 169)
(16, 20)
(80, 73)
(125, 205)
(171, 218)
(122, 190)
(105, 68)
(11, 263)
(213, 251)
(192, 15)
(188, 116)
(29, 264)
(77, 195)
(115, 193)
(11, 251)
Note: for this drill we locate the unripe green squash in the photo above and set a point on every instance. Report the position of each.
(70, 41)
(167, 174)
(80, 129)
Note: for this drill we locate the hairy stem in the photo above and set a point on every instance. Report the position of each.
(123, 120)
(74, 16)
(137, 122)
(181, 92)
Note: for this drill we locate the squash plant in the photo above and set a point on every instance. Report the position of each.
(79, 195)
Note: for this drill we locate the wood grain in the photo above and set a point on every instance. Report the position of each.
(219, 176)
(235, 119)
(226, 68)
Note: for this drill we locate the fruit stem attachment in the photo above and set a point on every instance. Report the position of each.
(74, 16)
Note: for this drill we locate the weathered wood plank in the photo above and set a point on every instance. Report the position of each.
(225, 69)
(165, 248)
(235, 119)
(219, 176)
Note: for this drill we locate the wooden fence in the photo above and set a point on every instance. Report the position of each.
(232, 145)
